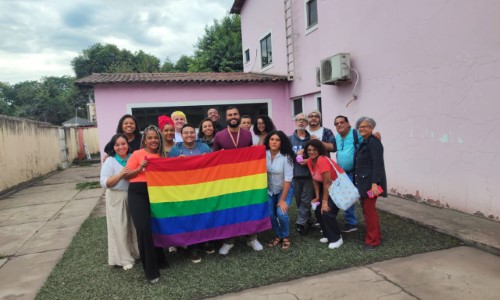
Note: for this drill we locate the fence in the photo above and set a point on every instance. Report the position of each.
(29, 149)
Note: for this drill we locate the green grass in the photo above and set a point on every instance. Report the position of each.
(83, 272)
(88, 185)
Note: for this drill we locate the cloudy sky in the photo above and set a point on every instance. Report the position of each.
(40, 37)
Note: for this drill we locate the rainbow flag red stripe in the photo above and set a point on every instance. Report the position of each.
(208, 197)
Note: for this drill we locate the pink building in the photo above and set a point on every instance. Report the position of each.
(149, 95)
(429, 75)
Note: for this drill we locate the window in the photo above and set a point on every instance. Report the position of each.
(195, 112)
(266, 51)
(297, 106)
(247, 55)
(318, 104)
(311, 13)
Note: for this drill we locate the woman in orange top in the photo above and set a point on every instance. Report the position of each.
(152, 258)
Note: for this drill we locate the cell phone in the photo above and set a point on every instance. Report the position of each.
(370, 193)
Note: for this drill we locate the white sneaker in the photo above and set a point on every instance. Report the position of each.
(155, 280)
(128, 267)
(323, 240)
(255, 245)
(224, 250)
(336, 245)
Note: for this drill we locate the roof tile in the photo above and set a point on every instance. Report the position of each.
(166, 78)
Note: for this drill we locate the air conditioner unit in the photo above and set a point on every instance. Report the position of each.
(318, 76)
(336, 69)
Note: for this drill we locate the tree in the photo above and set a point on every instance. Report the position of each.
(109, 59)
(146, 63)
(6, 107)
(52, 99)
(183, 64)
(219, 50)
(168, 66)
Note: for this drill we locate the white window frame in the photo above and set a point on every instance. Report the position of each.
(313, 27)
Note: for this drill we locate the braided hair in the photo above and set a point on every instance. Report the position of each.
(160, 136)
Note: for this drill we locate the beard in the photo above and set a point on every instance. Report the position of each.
(230, 124)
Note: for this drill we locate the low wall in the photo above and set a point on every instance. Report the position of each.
(29, 149)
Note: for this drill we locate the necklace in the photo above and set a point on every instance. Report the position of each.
(237, 137)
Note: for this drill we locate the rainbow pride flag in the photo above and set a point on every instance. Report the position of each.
(208, 197)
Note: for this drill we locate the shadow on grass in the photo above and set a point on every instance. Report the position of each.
(83, 272)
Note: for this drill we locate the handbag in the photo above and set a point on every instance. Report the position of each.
(342, 191)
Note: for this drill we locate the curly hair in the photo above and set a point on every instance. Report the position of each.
(316, 144)
(285, 147)
(160, 137)
(269, 125)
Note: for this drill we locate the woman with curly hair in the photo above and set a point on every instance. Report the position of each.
(152, 258)
(279, 161)
(262, 126)
(323, 174)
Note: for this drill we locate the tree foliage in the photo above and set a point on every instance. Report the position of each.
(52, 99)
(219, 50)
(110, 59)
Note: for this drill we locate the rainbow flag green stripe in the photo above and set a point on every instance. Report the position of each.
(177, 209)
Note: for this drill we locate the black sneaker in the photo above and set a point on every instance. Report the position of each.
(370, 248)
(208, 248)
(316, 225)
(193, 256)
(349, 228)
(302, 230)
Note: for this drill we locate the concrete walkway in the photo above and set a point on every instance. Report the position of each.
(39, 222)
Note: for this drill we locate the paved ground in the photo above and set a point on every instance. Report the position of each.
(37, 224)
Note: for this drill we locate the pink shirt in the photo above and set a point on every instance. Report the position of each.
(322, 166)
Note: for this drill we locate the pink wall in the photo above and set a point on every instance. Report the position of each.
(265, 16)
(112, 100)
(430, 77)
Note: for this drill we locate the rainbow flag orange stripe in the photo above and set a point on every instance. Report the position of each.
(208, 197)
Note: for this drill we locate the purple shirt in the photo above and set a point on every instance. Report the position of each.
(222, 139)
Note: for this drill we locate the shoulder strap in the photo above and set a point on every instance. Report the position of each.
(355, 137)
(331, 163)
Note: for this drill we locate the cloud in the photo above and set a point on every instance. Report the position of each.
(41, 38)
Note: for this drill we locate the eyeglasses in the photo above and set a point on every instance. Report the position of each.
(364, 126)
(301, 120)
(339, 123)
(314, 116)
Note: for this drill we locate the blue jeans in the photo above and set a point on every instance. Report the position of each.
(279, 220)
(349, 214)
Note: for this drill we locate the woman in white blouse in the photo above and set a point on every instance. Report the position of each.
(279, 160)
(122, 241)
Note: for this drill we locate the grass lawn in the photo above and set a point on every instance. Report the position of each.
(83, 272)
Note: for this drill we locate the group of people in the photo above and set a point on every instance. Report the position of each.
(298, 165)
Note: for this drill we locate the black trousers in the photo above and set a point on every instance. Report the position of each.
(328, 220)
(152, 258)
